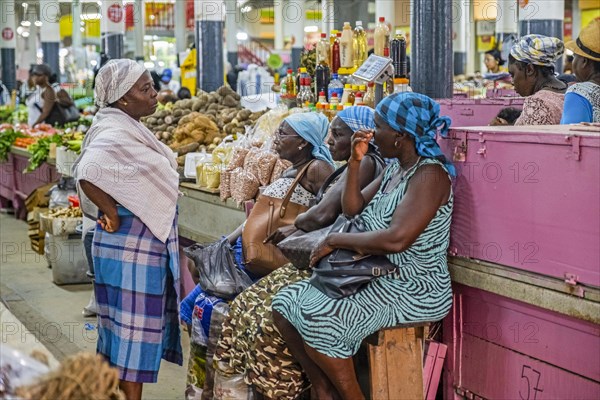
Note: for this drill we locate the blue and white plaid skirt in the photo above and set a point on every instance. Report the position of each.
(137, 290)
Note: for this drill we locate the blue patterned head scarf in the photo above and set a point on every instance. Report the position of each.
(538, 50)
(358, 117)
(312, 127)
(417, 115)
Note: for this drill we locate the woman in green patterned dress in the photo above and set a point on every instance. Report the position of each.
(407, 214)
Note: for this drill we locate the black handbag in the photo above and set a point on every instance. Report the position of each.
(345, 272)
(63, 111)
(219, 274)
(298, 246)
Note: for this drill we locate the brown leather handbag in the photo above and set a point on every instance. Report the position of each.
(268, 215)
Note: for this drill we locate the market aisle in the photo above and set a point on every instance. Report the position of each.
(53, 313)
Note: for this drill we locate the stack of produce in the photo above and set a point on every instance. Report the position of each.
(178, 124)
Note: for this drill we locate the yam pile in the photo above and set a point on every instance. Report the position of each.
(200, 123)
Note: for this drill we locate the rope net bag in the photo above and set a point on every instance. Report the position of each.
(84, 376)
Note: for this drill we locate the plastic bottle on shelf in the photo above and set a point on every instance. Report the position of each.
(300, 95)
(321, 77)
(323, 49)
(332, 36)
(362, 89)
(289, 84)
(382, 35)
(335, 54)
(346, 93)
(334, 99)
(332, 111)
(369, 97)
(358, 99)
(352, 94)
(401, 85)
(322, 98)
(309, 96)
(335, 86)
(359, 44)
(398, 54)
(347, 47)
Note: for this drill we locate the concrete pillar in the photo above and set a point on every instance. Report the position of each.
(232, 21)
(50, 33)
(180, 26)
(76, 43)
(8, 43)
(543, 17)
(139, 18)
(461, 16)
(112, 28)
(278, 22)
(352, 11)
(387, 9)
(327, 16)
(209, 44)
(431, 54)
(295, 16)
(507, 26)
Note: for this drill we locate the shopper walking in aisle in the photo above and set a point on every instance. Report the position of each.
(406, 214)
(582, 101)
(531, 65)
(131, 178)
(43, 102)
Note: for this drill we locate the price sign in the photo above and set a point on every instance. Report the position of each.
(115, 13)
(7, 34)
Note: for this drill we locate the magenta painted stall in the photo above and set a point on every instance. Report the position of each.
(526, 271)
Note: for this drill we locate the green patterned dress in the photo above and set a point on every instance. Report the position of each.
(419, 292)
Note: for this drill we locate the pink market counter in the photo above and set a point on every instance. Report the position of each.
(476, 112)
(525, 263)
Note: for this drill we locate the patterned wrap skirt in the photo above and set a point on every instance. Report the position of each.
(137, 290)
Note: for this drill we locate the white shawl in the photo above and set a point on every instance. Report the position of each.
(125, 160)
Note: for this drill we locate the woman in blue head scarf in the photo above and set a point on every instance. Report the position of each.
(248, 332)
(406, 213)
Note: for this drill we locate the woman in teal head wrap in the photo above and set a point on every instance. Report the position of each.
(406, 213)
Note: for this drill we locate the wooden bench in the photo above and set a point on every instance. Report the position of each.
(396, 362)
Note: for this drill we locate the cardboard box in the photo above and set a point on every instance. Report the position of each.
(39, 197)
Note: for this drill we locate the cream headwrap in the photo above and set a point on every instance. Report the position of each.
(115, 79)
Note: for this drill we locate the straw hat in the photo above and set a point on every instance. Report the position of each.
(588, 43)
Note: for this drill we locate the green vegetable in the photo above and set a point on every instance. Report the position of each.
(5, 114)
(7, 138)
(40, 150)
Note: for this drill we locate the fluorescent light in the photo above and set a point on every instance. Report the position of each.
(20, 30)
(242, 36)
(25, 34)
(82, 29)
(246, 9)
(152, 17)
(38, 23)
(148, 65)
(26, 23)
(311, 29)
(93, 63)
(161, 64)
(90, 16)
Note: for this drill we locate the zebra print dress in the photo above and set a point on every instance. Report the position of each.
(419, 292)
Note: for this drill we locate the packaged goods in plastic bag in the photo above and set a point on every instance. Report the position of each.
(237, 158)
(211, 175)
(59, 194)
(251, 161)
(219, 274)
(244, 185)
(231, 387)
(220, 312)
(267, 124)
(266, 163)
(225, 185)
(17, 369)
(203, 308)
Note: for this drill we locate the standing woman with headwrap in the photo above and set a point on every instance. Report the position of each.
(406, 213)
(531, 65)
(129, 184)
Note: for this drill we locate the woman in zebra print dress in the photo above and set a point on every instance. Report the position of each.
(407, 214)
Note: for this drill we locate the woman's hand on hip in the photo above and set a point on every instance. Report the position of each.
(111, 223)
(360, 144)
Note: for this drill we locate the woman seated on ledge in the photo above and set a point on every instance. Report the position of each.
(407, 213)
(531, 65)
(249, 344)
